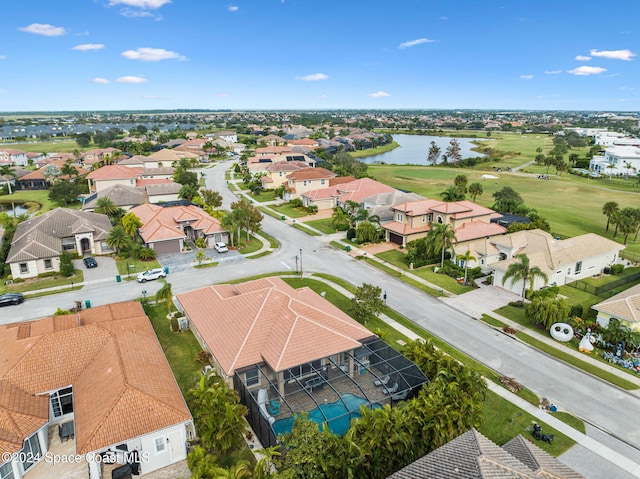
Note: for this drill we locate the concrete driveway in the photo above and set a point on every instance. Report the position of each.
(481, 301)
(106, 269)
(178, 262)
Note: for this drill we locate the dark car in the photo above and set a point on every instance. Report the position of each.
(11, 298)
(90, 262)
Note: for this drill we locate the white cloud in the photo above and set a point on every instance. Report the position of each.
(87, 47)
(3, 57)
(101, 81)
(526, 77)
(553, 72)
(378, 94)
(131, 79)
(313, 77)
(153, 97)
(152, 55)
(626, 88)
(321, 96)
(127, 12)
(148, 4)
(233, 8)
(444, 18)
(43, 29)
(586, 71)
(223, 95)
(626, 55)
(583, 58)
(413, 43)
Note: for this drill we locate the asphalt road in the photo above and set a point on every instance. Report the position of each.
(598, 403)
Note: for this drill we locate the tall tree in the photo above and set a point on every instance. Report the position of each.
(9, 173)
(367, 302)
(51, 173)
(466, 258)
(165, 294)
(452, 194)
(453, 151)
(117, 238)
(521, 270)
(434, 153)
(460, 182)
(440, 238)
(131, 223)
(608, 209)
(475, 190)
(106, 206)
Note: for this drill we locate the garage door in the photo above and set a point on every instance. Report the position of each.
(395, 238)
(163, 247)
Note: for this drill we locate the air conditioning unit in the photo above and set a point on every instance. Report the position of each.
(183, 324)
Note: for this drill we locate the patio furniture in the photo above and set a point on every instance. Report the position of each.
(316, 382)
(66, 430)
(382, 381)
(392, 390)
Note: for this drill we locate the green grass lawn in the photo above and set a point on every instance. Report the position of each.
(135, 266)
(263, 196)
(41, 197)
(180, 348)
(287, 210)
(374, 151)
(572, 205)
(323, 225)
(35, 284)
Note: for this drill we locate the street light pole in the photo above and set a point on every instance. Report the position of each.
(296, 264)
(301, 263)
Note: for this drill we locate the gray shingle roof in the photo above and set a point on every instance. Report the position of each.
(41, 237)
(472, 456)
(121, 195)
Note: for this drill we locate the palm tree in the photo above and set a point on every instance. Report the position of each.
(339, 218)
(6, 171)
(610, 167)
(609, 208)
(131, 223)
(118, 238)
(627, 165)
(475, 190)
(452, 194)
(466, 257)
(105, 206)
(68, 169)
(165, 294)
(522, 271)
(439, 238)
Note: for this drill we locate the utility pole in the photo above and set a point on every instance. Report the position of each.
(300, 263)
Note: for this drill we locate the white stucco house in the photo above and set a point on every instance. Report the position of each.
(617, 161)
(623, 307)
(563, 261)
(38, 242)
(97, 378)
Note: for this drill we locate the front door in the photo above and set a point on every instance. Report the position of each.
(178, 447)
(85, 245)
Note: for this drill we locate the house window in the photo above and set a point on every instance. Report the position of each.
(578, 267)
(24, 268)
(251, 378)
(47, 264)
(322, 182)
(439, 219)
(160, 444)
(400, 217)
(304, 183)
(62, 402)
(6, 471)
(424, 218)
(31, 452)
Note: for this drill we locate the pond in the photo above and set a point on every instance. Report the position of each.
(414, 149)
(14, 208)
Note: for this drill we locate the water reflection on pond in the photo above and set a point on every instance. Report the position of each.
(14, 209)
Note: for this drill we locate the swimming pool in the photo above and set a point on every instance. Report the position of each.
(339, 414)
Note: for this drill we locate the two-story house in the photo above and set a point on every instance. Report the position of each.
(412, 220)
(305, 180)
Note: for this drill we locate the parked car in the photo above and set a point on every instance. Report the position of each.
(151, 274)
(90, 262)
(11, 298)
(220, 247)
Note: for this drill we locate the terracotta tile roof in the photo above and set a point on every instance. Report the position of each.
(311, 174)
(38, 174)
(338, 180)
(478, 229)
(41, 236)
(272, 150)
(21, 414)
(156, 181)
(320, 194)
(266, 320)
(160, 224)
(286, 166)
(115, 172)
(122, 384)
(360, 189)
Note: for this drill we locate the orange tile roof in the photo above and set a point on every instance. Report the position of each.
(159, 223)
(21, 415)
(122, 384)
(478, 229)
(267, 320)
(360, 189)
(311, 174)
(115, 172)
(38, 174)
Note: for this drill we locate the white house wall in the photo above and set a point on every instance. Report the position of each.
(34, 268)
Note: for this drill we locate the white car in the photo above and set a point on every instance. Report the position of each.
(151, 274)
(220, 247)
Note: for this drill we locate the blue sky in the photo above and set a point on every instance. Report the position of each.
(311, 54)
